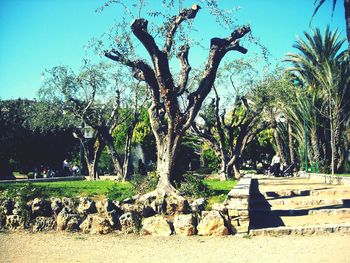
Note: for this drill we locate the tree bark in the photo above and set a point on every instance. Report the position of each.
(166, 154)
(127, 152)
(291, 144)
(315, 145)
(279, 145)
(92, 154)
(109, 141)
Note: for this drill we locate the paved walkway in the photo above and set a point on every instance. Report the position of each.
(298, 202)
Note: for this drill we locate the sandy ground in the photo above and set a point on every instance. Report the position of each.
(63, 247)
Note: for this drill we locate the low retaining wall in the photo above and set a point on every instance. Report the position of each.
(237, 204)
(52, 179)
(326, 178)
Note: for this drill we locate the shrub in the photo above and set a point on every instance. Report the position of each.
(324, 167)
(347, 166)
(211, 161)
(143, 184)
(193, 186)
(119, 193)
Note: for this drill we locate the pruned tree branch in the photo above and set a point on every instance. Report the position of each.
(182, 55)
(218, 48)
(175, 22)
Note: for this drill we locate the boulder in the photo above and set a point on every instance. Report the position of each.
(95, 224)
(56, 205)
(41, 207)
(105, 206)
(67, 220)
(175, 204)
(212, 224)
(156, 226)
(19, 209)
(198, 205)
(86, 206)
(2, 220)
(6, 207)
(130, 222)
(68, 202)
(108, 210)
(14, 222)
(184, 225)
(42, 223)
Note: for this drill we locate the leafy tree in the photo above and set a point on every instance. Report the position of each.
(88, 101)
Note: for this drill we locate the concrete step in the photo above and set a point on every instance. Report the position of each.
(303, 230)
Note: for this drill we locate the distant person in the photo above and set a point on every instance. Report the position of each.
(75, 170)
(35, 173)
(66, 168)
(276, 165)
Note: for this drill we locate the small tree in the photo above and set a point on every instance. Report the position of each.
(86, 98)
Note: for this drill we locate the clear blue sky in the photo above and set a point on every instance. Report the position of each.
(38, 34)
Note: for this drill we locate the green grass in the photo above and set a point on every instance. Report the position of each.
(219, 190)
(343, 175)
(98, 189)
(102, 189)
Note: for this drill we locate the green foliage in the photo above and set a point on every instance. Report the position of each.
(105, 164)
(347, 166)
(323, 167)
(143, 184)
(119, 192)
(210, 158)
(265, 137)
(193, 186)
(70, 189)
(25, 191)
(218, 190)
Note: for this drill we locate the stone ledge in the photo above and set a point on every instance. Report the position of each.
(302, 230)
(326, 177)
(237, 203)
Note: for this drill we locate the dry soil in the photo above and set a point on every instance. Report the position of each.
(62, 247)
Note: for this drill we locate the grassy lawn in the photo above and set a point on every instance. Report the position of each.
(343, 175)
(101, 189)
(219, 190)
(73, 189)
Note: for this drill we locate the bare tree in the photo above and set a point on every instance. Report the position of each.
(229, 134)
(169, 121)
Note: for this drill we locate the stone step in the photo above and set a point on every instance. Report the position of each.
(286, 193)
(337, 192)
(298, 201)
(300, 212)
(303, 230)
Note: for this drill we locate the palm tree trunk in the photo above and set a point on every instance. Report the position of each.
(279, 145)
(291, 144)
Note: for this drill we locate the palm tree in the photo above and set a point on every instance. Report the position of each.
(319, 3)
(321, 66)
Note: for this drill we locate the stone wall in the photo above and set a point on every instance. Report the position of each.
(237, 204)
(107, 216)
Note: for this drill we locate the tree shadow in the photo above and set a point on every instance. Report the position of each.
(261, 215)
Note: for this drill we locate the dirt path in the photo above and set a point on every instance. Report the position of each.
(63, 247)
